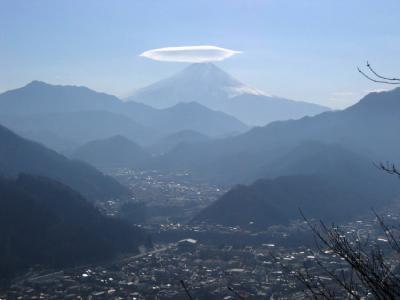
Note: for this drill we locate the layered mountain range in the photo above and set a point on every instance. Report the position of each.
(201, 98)
(322, 164)
(65, 117)
(369, 127)
(48, 214)
(19, 155)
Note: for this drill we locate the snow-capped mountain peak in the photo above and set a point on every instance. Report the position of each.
(212, 87)
(204, 83)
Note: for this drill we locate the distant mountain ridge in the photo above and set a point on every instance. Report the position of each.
(260, 110)
(57, 115)
(369, 127)
(116, 151)
(210, 86)
(79, 127)
(196, 117)
(39, 97)
(18, 155)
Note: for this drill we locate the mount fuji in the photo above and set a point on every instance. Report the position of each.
(210, 86)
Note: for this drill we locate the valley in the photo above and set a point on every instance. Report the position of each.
(168, 197)
(214, 261)
(173, 210)
(195, 150)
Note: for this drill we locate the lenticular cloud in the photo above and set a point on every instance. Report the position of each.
(190, 54)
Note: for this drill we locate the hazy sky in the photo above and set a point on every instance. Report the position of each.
(300, 49)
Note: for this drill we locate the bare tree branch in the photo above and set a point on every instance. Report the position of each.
(369, 271)
(376, 80)
(235, 292)
(380, 76)
(186, 290)
(389, 168)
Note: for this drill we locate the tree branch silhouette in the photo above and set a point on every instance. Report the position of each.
(378, 78)
(369, 269)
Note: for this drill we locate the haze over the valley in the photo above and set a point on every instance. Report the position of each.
(199, 149)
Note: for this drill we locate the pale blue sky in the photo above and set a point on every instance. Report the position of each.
(300, 49)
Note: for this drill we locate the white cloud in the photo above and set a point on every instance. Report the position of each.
(190, 54)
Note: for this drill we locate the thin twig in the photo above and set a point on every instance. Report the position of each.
(376, 80)
(186, 290)
(380, 76)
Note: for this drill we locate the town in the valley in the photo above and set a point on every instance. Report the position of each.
(202, 261)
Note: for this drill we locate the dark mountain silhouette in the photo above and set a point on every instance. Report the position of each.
(18, 155)
(173, 140)
(210, 86)
(369, 127)
(45, 222)
(325, 181)
(60, 116)
(116, 151)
